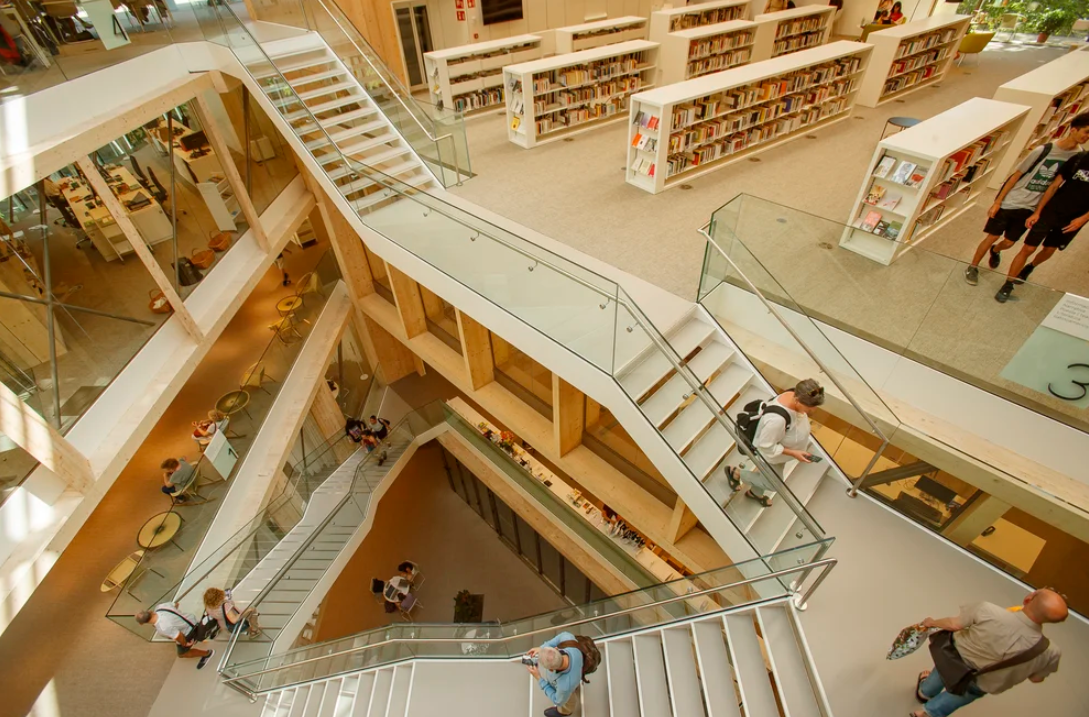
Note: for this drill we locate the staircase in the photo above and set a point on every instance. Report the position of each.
(704, 444)
(752, 661)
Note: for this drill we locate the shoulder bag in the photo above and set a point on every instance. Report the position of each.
(957, 674)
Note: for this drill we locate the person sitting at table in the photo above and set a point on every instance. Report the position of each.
(58, 202)
(177, 474)
(204, 429)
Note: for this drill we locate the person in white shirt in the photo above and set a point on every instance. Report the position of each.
(782, 435)
(172, 623)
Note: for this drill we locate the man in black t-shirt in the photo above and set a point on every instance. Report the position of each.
(1061, 213)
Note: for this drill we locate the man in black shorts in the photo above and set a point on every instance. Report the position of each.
(1021, 193)
(1062, 212)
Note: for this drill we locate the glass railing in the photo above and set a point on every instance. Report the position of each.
(727, 588)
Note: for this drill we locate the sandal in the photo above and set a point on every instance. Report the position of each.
(733, 477)
(761, 499)
(918, 686)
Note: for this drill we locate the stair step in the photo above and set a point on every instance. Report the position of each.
(402, 683)
(684, 681)
(369, 142)
(324, 107)
(331, 698)
(719, 694)
(315, 698)
(298, 704)
(773, 524)
(730, 383)
(661, 404)
(595, 696)
(282, 68)
(303, 80)
(383, 681)
(752, 674)
(538, 701)
(683, 430)
(791, 674)
(651, 675)
(623, 692)
(653, 367)
(361, 701)
(330, 89)
(709, 451)
(386, 155)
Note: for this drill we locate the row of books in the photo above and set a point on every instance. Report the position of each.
(644, 166)
(600, 31)
(738, 98)
(646, 119)
(474, 76)
(799, 26)
(718, 63)
(743, 119)
(916, 61)
(925, 42)
(1055, 120)
(600, 93)
(957, 163)
(479, 100)
(908, 79)
(874, 223)
(707, 17)
(454, 62)
(586, 73)
(879, 196)
(718, 43)
(738, 141)
(572, 117)
(907, 173)
(794, 44)
(644, 142)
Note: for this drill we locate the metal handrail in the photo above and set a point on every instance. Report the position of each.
(830, 563)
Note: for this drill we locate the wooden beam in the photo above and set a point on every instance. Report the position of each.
(124, 223)
(223, 152)
(433, 305)
(683, 520)
(568, 415)
(330, 419)
(979, 515)
(477, 350)
(395, 361)
(406, 293)
(346, 244)
(28, 430)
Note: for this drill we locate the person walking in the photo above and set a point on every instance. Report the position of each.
(173, 624)
(380, 429)
(1021, 193)
(988, 636)
(558, 671)
(219, 605)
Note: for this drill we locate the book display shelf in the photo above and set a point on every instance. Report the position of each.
(679, 132)
(801, 28)
(469, 78)
(921, 179)
(664, 22)
(703, 50)
(911, 56)
(599, 33)
(558, 96)
(1055, 93)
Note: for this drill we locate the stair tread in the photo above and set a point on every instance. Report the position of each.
(329, 89)
(709, 451)
(330, 698)
(314, 699)
(791, 674)
(302, 80)
(595, 696)
(752, 674)
(284, 68)
(623, 693)
(663, 402)
(398, 700)
(653, 367)
(684, 682)
(688, 424)
(383, 681)
(773, 523)
(298, 702)
(714, 666)
(651, 675)
(362, 699)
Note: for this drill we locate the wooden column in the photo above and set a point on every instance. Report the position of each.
(476, 348)
(346, 243)
(409, 304)
(972, 521)
(230, 171)
(90, 171)
(329, 418)
(568, 415)
(394, 360)
(33, 434)
(683, 520)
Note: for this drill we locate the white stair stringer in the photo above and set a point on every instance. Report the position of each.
(716, 665)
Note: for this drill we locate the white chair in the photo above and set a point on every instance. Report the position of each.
(415, 577)
(1009, 23)
(255, 377)
(408, 604)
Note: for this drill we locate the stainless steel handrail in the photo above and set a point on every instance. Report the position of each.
(828, 563)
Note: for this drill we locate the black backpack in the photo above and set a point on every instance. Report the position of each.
(749, 419)
(591, 656)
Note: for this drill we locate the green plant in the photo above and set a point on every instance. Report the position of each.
(1056, 21)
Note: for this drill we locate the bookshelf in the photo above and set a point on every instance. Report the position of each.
(910, 57)
(701, 125)
(921, 179)
(221, 202)
(1055, 93)
(801, 28)
(562, 95)
(575, 38)
(663, 22)
(702, 50)
(469, 78)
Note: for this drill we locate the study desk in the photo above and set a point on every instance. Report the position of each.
(1011, 546)
(102, 229)
(194, 169)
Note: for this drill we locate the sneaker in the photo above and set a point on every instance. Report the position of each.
(204, 660)
(971, 275)
(1024, 273)
(1003, 294)
(994, 259)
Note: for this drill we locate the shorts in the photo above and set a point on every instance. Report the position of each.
(1010, 222)
(1050, 233)
(182, 649)
(169, 490)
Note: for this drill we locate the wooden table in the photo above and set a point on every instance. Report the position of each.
(102, 229)
(288, 305)
(121, 572)
(233, 402)
(159, 530)
(1011, 547)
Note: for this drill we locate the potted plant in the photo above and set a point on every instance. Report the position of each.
(1052, 22)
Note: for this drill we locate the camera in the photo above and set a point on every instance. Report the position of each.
(529, 660)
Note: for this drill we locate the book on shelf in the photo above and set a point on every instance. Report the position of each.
(889, 201)
(643, 166)
(516, 123)
(875, 195)
(892, 231)
(880, 228)
(903, 172)
(884, 166)
(870, 221)
(917, 178)
(646, 120)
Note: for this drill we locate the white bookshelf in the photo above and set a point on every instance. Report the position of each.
(221, 202)
(1055, 93)
(703, 50)
(469, 78)
(586, 36)
(910, 57)
(801, 28)
(562, 95)
(663, 22)
(954, 154)
(710, 122)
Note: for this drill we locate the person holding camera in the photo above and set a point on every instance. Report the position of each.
(558, 670)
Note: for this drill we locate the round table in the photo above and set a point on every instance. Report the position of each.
(396, 589)
(233, 402)
(122, 572)
(288, 305)
(159, 530)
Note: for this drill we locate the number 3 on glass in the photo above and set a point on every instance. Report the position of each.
(1083, 385)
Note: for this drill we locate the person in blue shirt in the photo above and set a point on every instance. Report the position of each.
(559, 673)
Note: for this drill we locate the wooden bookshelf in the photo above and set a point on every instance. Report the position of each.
(801, 28)
(663, 22)
(566, 94)
(910, 57)
(469, 78)
(705, 124)
(921, 179)
(703, 50)
(1055, 93)
(576, 38)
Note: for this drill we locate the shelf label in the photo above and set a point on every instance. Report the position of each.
(1070, 316)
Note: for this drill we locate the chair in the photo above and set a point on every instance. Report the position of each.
(408, 604)
(901, 123)
(377, 588)
(286, 329)
(416, 576)
(202, 442)
(973, 44)
(872, 27)
(309, 284)
(255, 377)
(156, 187)
(137, 170)
(1008, 23)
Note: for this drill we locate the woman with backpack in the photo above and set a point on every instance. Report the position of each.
(218, 605)
(779, 431)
